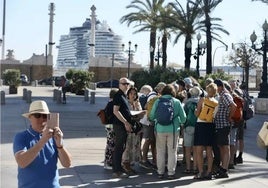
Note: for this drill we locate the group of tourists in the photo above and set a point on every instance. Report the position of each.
(209, 120)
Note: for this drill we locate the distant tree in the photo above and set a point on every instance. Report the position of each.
(211, 28)
(146, 17)
(264, 1)
(246, 58)
(185, 22)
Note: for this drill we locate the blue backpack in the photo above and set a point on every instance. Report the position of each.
(144, 98)
(165, 111)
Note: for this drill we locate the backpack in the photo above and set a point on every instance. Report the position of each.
(190, 116)
(150, 104)
(165, 111)
(208, 109)
(144, 98)
(248, 108)
(237, 116)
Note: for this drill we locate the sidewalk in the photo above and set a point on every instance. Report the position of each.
(85, 138)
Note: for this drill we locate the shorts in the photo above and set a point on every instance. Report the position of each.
(222, 136)
(240, 132)
(188, 136)
(204, 134)
(233, 133)
(148, 132)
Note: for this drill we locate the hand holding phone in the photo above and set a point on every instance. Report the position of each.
(53, 120)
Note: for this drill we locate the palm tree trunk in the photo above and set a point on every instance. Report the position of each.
(187, 54)
(164, 51)
(152, 47)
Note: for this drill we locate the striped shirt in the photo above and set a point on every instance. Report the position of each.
(222, 116)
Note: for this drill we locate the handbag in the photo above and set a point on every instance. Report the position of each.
(102, 116)
(262, 137)
(136, 126)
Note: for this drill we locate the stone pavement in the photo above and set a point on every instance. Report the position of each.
(85, 138)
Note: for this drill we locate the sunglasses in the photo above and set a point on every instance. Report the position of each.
(124, 83)
(37, 116)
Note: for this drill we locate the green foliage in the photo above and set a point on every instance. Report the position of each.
(159, 74)
(69, 74)
(12, 77)
(80, 79)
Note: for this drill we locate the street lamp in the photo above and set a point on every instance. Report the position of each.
(213, 59)
(201, 49)
(129, 55)
(253, 37)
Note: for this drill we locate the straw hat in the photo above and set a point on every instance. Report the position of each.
(39, 107)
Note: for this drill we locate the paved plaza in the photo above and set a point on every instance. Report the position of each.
(85, 138)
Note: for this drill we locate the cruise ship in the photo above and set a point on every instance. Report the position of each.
(74, 48)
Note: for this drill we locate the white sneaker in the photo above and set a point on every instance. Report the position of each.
(107, 167)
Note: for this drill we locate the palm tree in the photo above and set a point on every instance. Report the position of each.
(185, 23)
(146, 17)
(210, 28)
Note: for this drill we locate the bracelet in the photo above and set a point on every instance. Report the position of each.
(60, 147)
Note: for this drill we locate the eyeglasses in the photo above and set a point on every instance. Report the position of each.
(125, 83)
(37, 116)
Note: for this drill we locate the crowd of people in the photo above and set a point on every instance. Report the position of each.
(209, 121)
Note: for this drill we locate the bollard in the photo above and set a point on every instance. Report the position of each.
(55, 94)
(53, 83)
(3, 97)
(24, 94)
(36, 83)
(29, 96)
(59, 101)
(86, 95)
(92, 97)
(1, 82)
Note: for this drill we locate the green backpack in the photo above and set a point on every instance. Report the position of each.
(190, 116)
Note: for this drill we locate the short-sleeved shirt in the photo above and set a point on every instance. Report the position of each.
(222, 116)
(42, 171)
(121, 101)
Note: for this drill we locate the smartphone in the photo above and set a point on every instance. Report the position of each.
(53, 120)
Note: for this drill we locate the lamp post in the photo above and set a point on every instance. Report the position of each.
(213, 59)
(129, 51)
(199, 51)
(264, 47)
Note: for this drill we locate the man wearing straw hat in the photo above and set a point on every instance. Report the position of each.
(38, 149)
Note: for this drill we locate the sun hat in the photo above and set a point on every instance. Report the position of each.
(195, 91)
(188, 81)
(39, 107)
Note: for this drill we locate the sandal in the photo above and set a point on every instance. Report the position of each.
(199, 176)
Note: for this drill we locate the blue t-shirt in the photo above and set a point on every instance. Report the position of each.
(42, 172)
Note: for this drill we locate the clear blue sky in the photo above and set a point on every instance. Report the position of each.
(27, 25)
